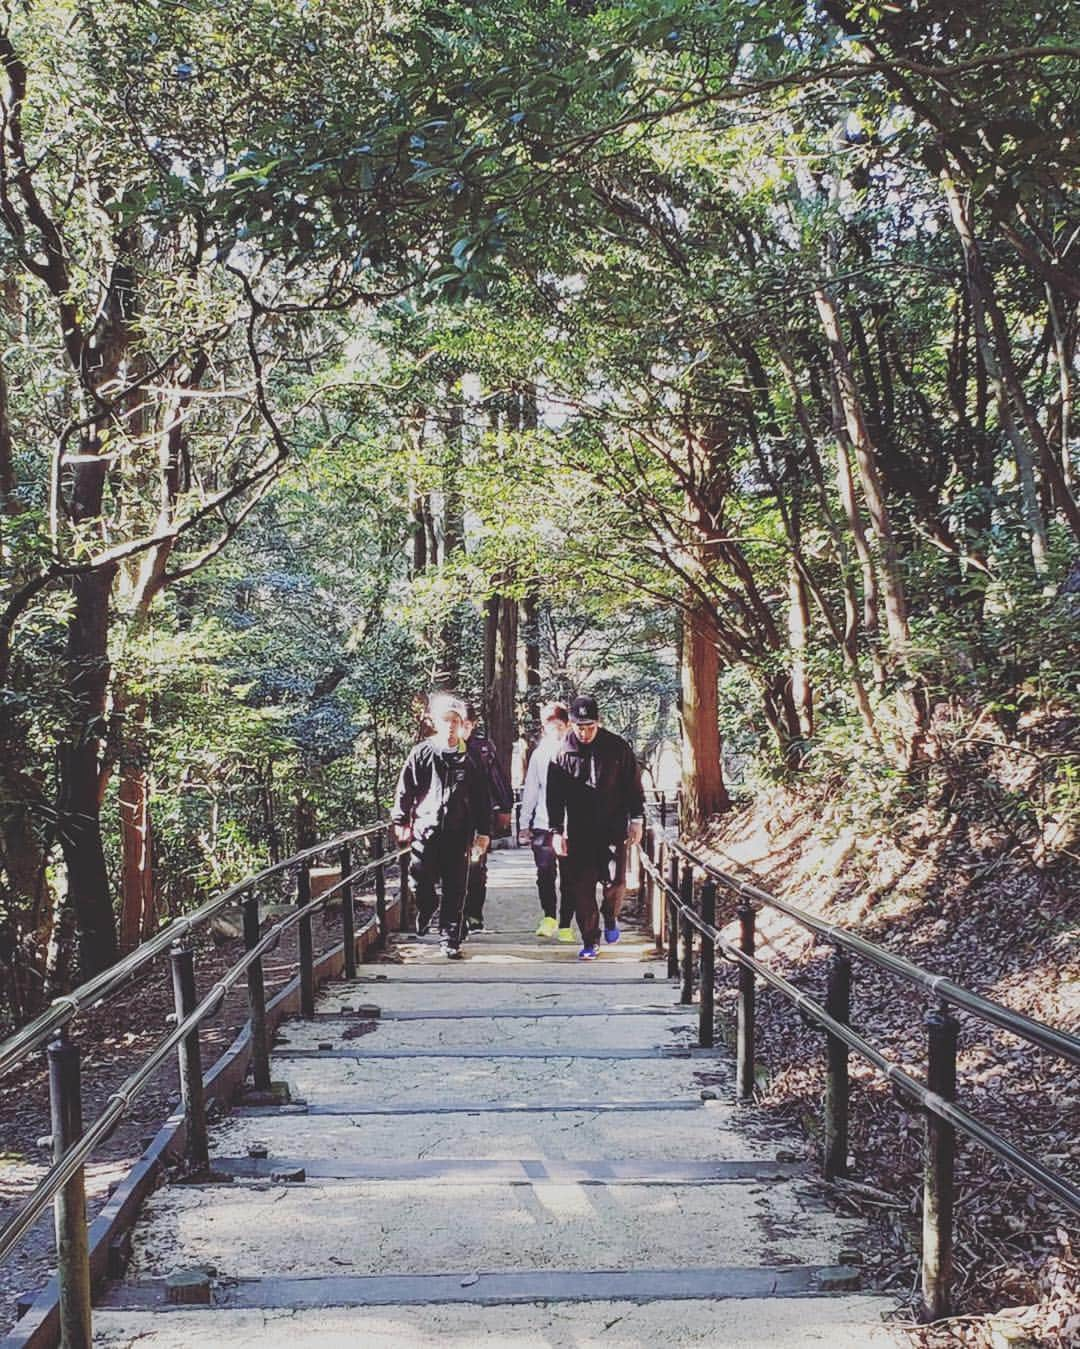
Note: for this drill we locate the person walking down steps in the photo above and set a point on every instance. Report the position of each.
(534, 827)
(442, 806)
(484, 754)
(596, 810)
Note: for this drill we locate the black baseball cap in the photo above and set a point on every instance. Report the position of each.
(584, 709)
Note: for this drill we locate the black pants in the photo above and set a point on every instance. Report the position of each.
(549, 868)
(582, 873)
(441, 859)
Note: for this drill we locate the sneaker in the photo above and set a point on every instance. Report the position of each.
(566, 934)
(612, 934)
(451, 950)
(588, 953)
(547, 928)
(475, 924)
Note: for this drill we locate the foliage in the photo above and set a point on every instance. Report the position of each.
(645, 317)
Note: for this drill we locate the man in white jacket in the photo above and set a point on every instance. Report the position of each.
(554, 720)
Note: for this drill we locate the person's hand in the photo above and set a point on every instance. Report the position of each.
(524, 835)
(558, 845)
(403, 833)
(633, 834)
(480, 846)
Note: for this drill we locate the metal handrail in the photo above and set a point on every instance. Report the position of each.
(118, 1103)
(102, 986)
(1046, 1037)
(909, 1086)
(1061, 1188)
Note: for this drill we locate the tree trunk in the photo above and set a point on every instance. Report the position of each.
(529, 619)
(448, 673)
(1064, 353)
(501, 689)
(978, 290)
(138, 904)
(703, 790)
(78, 758)
(419, 533)
(798, 630)
(869, 477)
(846, 637)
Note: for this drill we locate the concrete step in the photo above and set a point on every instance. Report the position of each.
(518, 1148)
(376, 1227)
(487, 1288)
(848, 1322)
(452, 1080)
(565, 1034)
(508, 1171)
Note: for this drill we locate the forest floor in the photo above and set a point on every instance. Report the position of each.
(966, 888)
(114, 1039)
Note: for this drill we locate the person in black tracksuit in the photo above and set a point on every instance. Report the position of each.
(485, 756)
(443, 807)
(596, 812)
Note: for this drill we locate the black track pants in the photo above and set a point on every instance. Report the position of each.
(441, 860)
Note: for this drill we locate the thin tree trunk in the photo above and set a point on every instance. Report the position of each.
(1064, 357)
(978, 291)
(1051, 469)
(798, 630)
(501, 675)
(703, 791)
(869, 476)
(448, 673)
(78, 805)
(419, 534)
(847, 637)
(138, 910)
(529, 619)
(846, 488)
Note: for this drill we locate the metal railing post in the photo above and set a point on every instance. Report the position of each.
(404, 914)
(307, 951)
(348, 917)
(661, 897)
(838, 1005)
(663, 810)
(686, 895)
(673, 919)
(69, 1206)
(744, 1069)
(648, 889)
(256, 990)
(940, 1159)
(706, 1024)
(196, 1147)
(377, 851)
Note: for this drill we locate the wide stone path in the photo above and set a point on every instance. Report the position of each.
(512, 1147)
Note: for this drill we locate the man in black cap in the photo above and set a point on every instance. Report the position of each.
(596, 812)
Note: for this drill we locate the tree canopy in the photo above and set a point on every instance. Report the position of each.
(717, 357)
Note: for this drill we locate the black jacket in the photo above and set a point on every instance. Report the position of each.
(480, 749)
(594, 790)
(442, 789)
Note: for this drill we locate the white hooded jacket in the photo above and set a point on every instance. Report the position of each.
(534, 812)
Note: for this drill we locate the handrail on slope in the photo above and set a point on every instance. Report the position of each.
(72, 1146)
(669, 870)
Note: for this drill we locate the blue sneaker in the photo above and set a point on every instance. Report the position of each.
(612, 934)
(588, 953)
